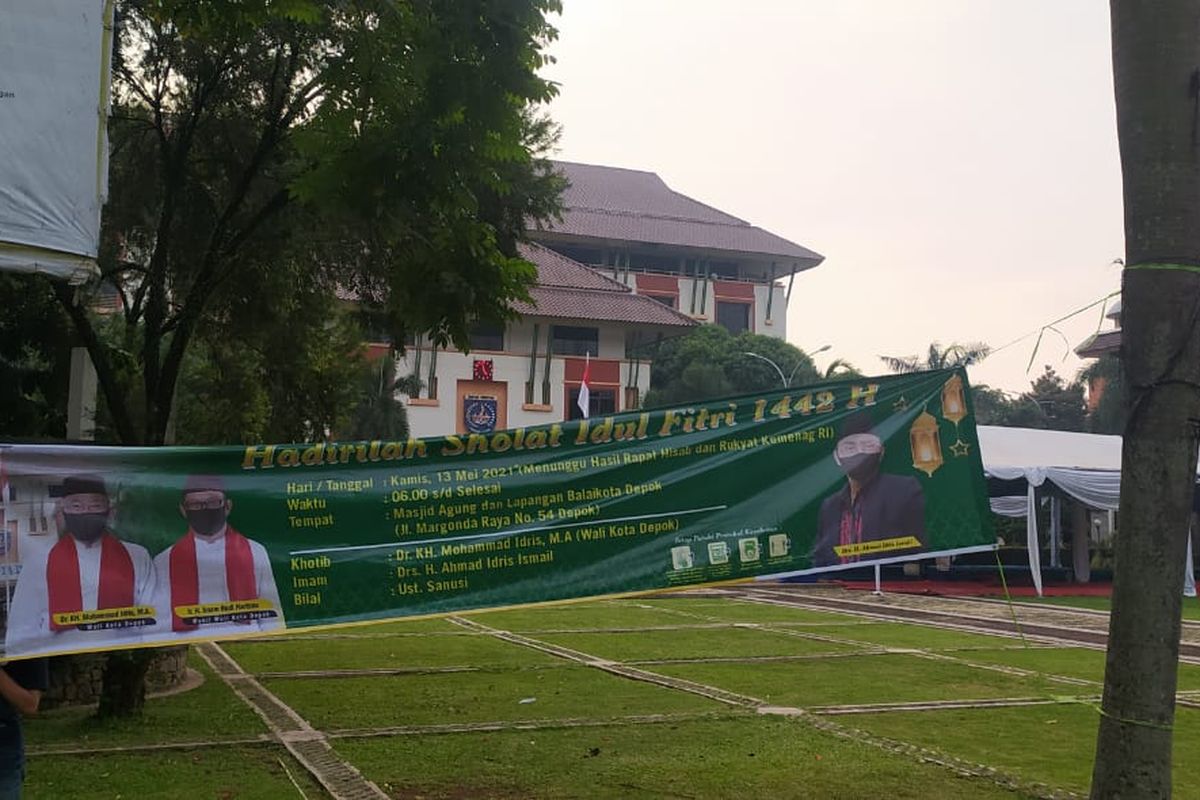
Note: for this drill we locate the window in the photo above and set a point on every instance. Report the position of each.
(572, 341)
(487, 336)
(654, 263)
(723, 269)
(600, 402)
(668, 300)
(733, 317)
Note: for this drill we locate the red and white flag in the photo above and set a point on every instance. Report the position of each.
(585, 392)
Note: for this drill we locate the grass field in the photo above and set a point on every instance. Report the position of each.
(1191, 605)
(431, 709)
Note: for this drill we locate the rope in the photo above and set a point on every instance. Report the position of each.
(1008, 599)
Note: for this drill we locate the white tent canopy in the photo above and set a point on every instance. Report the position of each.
(1085, 466)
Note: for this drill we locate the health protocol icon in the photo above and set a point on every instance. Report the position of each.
(748, 549)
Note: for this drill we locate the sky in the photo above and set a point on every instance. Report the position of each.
(954, 161)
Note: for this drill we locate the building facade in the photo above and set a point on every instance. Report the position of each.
(631, 262)
(712, 266)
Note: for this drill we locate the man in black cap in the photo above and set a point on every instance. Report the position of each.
(213, 564)
(87, 569)
(871, 507)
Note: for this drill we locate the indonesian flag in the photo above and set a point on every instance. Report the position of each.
(585, 392)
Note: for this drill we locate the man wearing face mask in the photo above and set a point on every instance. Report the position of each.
(87, 569)
(873, 506)
(214, 563)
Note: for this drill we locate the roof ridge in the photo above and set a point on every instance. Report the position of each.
(633, 296)
(606, 166)
(618, 287)
(740, 223)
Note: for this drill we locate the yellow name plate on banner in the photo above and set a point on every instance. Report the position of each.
(880, 546)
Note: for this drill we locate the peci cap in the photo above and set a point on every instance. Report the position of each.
(79, 484)
(860, 421)
(204, 483)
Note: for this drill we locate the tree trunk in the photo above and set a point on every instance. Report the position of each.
(123, 692)
(1156, 53)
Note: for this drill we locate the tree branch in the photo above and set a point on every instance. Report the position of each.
(105, 373)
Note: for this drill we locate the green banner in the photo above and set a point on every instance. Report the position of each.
(122, 547)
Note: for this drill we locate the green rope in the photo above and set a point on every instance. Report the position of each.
(1008, 599)
(1167, 267)
(1078, 701)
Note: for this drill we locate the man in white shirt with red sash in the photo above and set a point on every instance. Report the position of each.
(214, 581)
(88, 570)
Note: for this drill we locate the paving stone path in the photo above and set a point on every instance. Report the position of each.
(309, 746)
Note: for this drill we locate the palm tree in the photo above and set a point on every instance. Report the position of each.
(379, 415)
(954, 355)
(1157, 88)
(841, 368)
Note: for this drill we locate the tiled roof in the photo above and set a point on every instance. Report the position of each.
(631, 205)
(554, 269)
(1099, 344)
(600, 306)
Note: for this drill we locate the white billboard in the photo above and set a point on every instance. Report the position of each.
(54, 66)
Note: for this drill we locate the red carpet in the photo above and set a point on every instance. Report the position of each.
(982, 588)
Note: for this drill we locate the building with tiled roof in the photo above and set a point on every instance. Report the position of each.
(529, 372)
(706, 263)
(1098, 345)
(630, 261)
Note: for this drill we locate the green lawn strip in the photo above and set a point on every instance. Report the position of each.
(386, 628)
(209, 712)
(387, 701)
(762, 757)
(1191, 605)
(577, 617)
(226, 773)
(396, 651)
(865, 679)
(725, 642)
(923, 637)
(1053, 744)
(1072, 662)
(741, 611)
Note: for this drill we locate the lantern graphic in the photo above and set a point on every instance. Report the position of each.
(926, 444)
(954, 404)
(954, 408)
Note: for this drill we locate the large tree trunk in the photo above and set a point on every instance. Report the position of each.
(123, 692)
(1156, 53)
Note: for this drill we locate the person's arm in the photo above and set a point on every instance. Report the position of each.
(266, 580)
(24, 700)
(28, 614)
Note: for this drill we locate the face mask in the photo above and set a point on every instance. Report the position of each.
(861, 467)
(207, 521)
(86, 527)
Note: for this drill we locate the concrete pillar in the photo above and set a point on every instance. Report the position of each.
(81, 396)
(1081, 557)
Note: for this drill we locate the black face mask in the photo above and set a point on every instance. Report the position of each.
(207, 521)
(86, 527)
(861, 466)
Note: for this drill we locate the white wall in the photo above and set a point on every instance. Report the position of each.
(512, 368)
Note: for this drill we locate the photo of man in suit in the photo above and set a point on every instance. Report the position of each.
(86, 569)
(873, 506)
(213, 563)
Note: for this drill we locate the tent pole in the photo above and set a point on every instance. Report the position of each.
(879, 591)
(1081, 557)
(1031, 539)
(1055, 529)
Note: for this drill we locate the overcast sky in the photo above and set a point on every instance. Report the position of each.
(955, 161)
